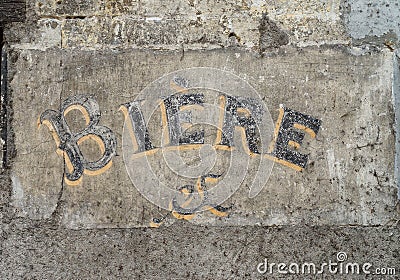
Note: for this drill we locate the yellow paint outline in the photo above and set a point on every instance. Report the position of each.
(191, 107)
(306, 129)
(52, 131)
(186, 147)
(276, 130)
(222, 102)
(73, 183)
(124, 110)
(224, 148)
(187, 125)
(242, 131)
(215, 211)
(146, 153)
(211, 180)
(180, 216)
(65, 156)
(155, 225)
(294, 144)
(283, 162)
(273, 142)
(199, 188)
(164, 121)
(100, 171)
(60, 152)
(244, 111)
(245, 145)
(175, 87)
(81, 109)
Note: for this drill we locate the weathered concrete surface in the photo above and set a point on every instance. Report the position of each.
(69, 46)
(12, 11)
(176, 25)
(396, 101)
(192, 252)
(373, 21)
(349, 180)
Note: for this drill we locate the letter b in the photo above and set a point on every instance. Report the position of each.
(68, 141)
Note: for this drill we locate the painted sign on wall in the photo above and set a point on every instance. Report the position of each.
(205, 116)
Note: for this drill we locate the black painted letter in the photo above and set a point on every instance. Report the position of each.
(68, 141)
(290, 130)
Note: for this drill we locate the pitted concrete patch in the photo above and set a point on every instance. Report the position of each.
(368, 19)
(349, 178)
(193, 252)
(102, 24)
(270, 35)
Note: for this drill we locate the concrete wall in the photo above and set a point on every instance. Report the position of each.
(333, 63)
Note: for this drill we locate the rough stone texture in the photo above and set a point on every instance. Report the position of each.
(396, 97)
(176, 25)
(12, 11)
(192, 252)
(270, 35)
(68, 46)
(370, 20)
(351, 160)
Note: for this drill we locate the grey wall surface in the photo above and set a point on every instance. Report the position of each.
(336, 61)
(366, 19)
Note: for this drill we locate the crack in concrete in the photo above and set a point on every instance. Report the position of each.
(396, 105)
